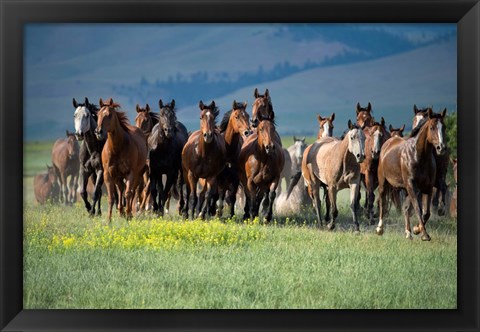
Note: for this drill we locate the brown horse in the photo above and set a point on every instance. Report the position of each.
(145, 119)
(124, 155)
(453, 200)
(335, 164)
(262, 105)
(396, 132)
(441, 161)
(375, 137)
(325, 126)
(66, 162)
(409, 164)
(203, 156)
(364, 115)
(261, 161)
(45, 186)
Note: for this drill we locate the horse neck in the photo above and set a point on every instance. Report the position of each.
(423, 148)
(232, 139)
(343, 151)
(203, 147)
(116, 138)
(90, 140)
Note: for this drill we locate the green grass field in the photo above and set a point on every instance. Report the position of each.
(74, 261)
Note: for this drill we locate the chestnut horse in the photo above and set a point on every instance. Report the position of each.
(124, 155)
(364, 115)
(166, 143)
(235, 128)
(325, 126)
(441, 161)
(85, 120)
(66, 162)
(45, 186)
(203, 156)
(261, 161)
(375, 137)
(409, 164)
(453, 200)
(335, 164)
(396, 132)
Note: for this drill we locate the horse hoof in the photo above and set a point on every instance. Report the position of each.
(379, 230)
(331, 226)
(426, 237)
(408, 235)
(416, 230)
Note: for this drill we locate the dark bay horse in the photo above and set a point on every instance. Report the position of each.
(203, 156)
(145, 119)
(453, 200)
(235, 128)
(262, 105)
(261, 161)
(85, 120)
(45, 186)
(66, 162)
(124, 155)
(396, 132)
(325, 126)
(335, 164)
(440, 188)
(409, 164)
(166, 143)
(375, 136)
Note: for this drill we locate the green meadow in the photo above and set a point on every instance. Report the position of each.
(74, 261)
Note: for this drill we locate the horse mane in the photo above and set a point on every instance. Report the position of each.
(155, 117)
(153, 138)
(122, 118)
(224, 124)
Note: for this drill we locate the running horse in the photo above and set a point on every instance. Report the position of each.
(409, 164)
(441, 161)
(335, 164)
(261, 161)
(145, 119)
(166, 143)
(66, 163)
(124, 155)
(85, 120)
(203, 156)
(375, 136)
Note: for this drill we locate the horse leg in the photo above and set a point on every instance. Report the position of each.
(97, 195)
(416, 200)
(327, 203)
(317, 202)
(354, 189)
(383, 190)
(407, 211)
(120, 196)
(271, 198)
(442, 204)
(231, 198)
(153, 189)
(427, 198)
(221, 201)
(246, 208)
(181, 202)
(111, 195)
(192, 182)
(131, 186)
(370, 195)
(332, 195)
(83, 191)
(265, 203)
(165, 194)
(209, 193)
(63, 184)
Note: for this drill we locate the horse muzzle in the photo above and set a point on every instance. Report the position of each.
(254, 122)
(440, 149)
(269, 148)
(99, 134)
(79, 136)
(360, 158)
(208, 137)
(375, 155)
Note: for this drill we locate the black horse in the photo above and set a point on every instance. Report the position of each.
(166, 143)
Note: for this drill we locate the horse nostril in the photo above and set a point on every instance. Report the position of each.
(358, 155)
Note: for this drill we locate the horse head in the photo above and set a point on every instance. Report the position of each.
(325, 126)
(144, 119)
(261, 105)
(84, 118)
(364, 115)
(436, 130)
(167, 118)
(379, 136)
(106, 118)
(396, 132)
(208, 115)
(72, 144)
(266, 134)
(356, 141)
(300, 146)
(239, 119)
(420, 114)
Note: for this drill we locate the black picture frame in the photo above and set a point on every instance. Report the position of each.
(14, 14)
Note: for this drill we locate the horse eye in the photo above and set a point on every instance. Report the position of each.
(237, 117)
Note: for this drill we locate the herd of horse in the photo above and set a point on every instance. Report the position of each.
(142, 166)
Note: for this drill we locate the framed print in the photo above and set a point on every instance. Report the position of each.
(326, 119)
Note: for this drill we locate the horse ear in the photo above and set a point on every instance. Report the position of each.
(430, 113)
(75, 104)
(110, 101)
(444, 112)
(255, 93)
(245, 104)
(234, 104)
(319, 118)
(390, 128)
(86, 101)
(200, 105)
(303, 139)
(403, 127)
(212, 105)
(382, 122)
(350, 126)
(295, 139)
(415, 109)
(369, 107)
(160, 103)
(332, 117)
(137, 108)
(358, 108)
(173, 103)
(147, 107)
(67, 133)
(100, 102)
(267, 93)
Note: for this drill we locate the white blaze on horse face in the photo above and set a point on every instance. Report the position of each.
(417, 119)
(356, 144)
(376, 141)
(440, 133)
(82, 120)
(326, 128)
(298, 150)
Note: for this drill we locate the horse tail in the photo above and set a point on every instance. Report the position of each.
(293, 182)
